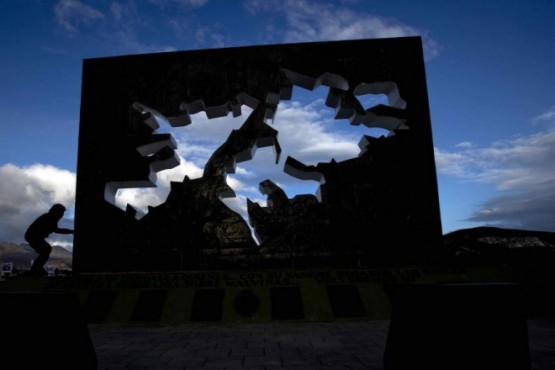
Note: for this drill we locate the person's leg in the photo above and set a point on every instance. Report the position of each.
(43, 249)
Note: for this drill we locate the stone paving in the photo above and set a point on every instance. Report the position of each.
(256, 346)
(268, 346)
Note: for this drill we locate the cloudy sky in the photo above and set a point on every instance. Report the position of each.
(490, 68)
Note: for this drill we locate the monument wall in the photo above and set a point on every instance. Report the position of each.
(378, 208)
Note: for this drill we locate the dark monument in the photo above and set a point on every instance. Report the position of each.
(367, 245)
(378, 208)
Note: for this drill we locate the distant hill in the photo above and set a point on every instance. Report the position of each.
(527, 256)
(474, 245)
(511, 238)
(498, 245)
(21, 256)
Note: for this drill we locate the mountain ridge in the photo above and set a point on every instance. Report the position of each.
(22, 254)
(482, 243)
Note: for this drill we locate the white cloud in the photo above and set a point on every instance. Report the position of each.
(312, 135)
(118, 28)
(509, 165)
(244, 172)
(183, 3)
(320, 21)
(142, 198)
(123, 29)
(117, 10)
(449, 163)
(532, 208)
(71, 13)
(196, 143)
(522, 169)
(465, 145)
(194, 3)
(198, 140)
(197, 33)
(27, 192)
(548, 116)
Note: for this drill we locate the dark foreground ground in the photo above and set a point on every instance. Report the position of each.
(268, 346)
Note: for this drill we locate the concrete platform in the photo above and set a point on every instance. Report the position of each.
(267, 346)
(141, 322)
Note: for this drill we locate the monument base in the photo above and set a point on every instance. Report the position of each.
(458, 327)
(244, 296)
(38, 326)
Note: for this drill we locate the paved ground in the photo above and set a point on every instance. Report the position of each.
(258, 346)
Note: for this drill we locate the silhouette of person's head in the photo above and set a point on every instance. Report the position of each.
(57, 210)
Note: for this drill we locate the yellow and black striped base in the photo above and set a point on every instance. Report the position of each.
(243, 296)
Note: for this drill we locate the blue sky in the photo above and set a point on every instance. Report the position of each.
(490, 68)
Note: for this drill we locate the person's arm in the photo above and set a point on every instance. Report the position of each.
(61, 230)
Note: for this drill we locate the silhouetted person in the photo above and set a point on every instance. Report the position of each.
(39, 230)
